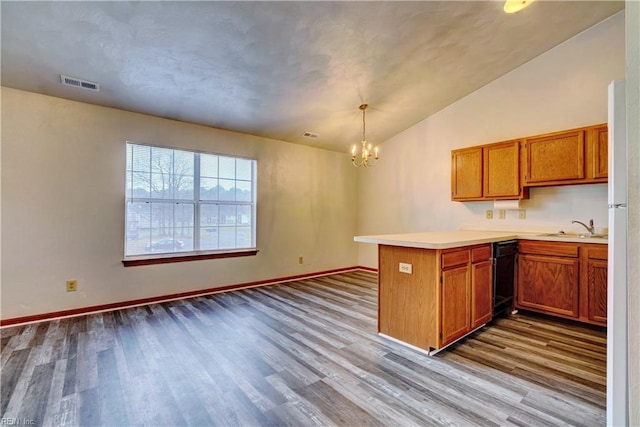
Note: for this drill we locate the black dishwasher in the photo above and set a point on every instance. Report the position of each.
(504, 272)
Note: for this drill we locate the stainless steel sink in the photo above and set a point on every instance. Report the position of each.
(575, 235)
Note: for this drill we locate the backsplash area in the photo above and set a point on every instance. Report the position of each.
(548, 209)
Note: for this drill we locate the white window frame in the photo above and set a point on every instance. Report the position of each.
(197, 202)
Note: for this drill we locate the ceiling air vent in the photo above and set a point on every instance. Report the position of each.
(310, 135)
(82, 84)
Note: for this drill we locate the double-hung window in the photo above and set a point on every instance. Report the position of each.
(181, 202)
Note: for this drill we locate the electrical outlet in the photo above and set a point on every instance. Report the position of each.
(502, 214)
(405, 268)
(72, 285)
(522, 214)
(488, 214)
(300, 260)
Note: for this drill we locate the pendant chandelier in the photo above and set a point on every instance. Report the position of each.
(364, 158)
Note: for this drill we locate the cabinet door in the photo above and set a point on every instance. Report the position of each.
(548, 284)
(502, 170)
(455, 304)
(466, 174)
(555, 157)
(597, 290)
(599, 154)
(481, 293)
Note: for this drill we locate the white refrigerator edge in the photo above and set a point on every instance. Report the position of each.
(617, 363)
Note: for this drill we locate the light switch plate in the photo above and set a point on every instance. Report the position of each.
(405, 268)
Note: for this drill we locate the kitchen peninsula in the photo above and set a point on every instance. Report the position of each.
(436, 287)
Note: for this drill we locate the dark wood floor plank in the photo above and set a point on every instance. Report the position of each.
(304, 353)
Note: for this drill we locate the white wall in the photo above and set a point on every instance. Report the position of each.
(63, 206)
(566, 87)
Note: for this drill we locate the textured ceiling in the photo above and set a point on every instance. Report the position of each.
(278, 69)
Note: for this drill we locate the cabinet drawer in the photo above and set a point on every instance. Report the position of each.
(453, 258)
(598, 252)
(482, 253)
(548, 248)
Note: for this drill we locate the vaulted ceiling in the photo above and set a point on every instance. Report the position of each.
(280, 69)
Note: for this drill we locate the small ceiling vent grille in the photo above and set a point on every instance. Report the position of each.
(83, 84)
(310, 135)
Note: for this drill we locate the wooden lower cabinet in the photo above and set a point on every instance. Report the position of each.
(456, 308)
(482, 293)
(549, 284)
(447, 295)
(563, 279)
(596, 286)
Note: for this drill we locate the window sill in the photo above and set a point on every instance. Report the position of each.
(187, 256)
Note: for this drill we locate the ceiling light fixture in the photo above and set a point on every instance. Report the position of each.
(513, 6)
(363, 159)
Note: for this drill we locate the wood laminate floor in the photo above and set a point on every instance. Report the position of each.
(299, 354)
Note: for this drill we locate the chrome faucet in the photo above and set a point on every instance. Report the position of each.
(591, 229)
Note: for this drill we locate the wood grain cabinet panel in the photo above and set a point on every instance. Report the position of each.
(446, 296)
(597, 290)
(542, 247)
(506, 170)
(595, 285)
(407, 303)
(454, 258)
(466, 174)
(598, 153)
(549, 284)
(467, 291)
(563, 279)
(501, 170)
(482, 293)
(456, 317)
(487, 172)
(555, 157)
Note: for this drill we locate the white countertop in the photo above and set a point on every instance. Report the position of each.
(457, 238)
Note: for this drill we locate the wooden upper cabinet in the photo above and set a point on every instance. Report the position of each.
(506, 170)
(501, 163)
(554, 158)
(487, 172)
(597, 153)
(466, 174)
